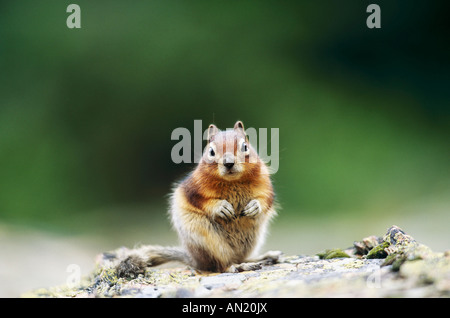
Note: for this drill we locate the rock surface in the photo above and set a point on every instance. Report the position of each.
(394, 265)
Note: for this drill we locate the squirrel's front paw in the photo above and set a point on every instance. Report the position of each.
(253, 208)
(224, 210)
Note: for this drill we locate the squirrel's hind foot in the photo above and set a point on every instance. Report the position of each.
(243, 267)
(268, 258)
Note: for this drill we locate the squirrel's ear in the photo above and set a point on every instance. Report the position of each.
(239, 126)
(212, 130)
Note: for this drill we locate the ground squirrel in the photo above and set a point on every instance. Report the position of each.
(221, 211)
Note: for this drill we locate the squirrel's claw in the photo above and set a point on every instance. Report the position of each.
(225, 210)
(252, 209)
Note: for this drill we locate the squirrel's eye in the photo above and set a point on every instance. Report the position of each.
(211, 152)
(244, 147)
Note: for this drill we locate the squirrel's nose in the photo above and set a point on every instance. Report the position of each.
(228, 161)
(229, 165)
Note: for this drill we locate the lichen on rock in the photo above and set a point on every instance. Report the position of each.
(394, 265)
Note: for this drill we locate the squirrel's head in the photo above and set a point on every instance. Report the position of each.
(229, 154)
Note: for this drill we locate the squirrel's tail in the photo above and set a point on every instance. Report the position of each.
(152, 255)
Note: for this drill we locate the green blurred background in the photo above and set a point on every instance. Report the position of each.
(86, 117)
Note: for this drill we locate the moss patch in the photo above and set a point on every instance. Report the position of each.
(378, 251)
(332, 253)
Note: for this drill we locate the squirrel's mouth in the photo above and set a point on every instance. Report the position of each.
(229, 172)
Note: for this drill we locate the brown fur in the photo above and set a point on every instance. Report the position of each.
(212, 238)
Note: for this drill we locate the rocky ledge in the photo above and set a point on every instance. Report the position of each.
(394, 265)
